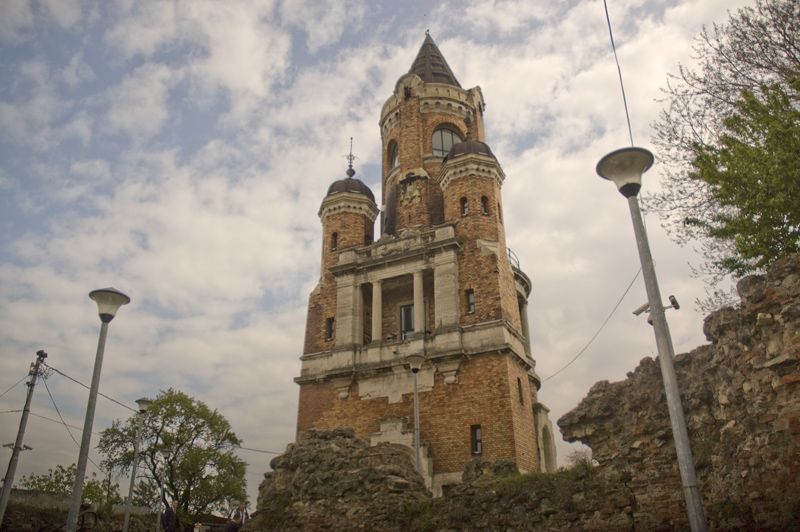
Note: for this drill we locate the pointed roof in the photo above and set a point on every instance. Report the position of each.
(431, 66)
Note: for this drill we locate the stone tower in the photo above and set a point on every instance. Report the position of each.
(439, 282)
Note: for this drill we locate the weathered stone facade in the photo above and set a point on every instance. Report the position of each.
(741, 395)
(438, 282)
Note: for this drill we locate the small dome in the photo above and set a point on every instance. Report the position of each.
(469, 146)
(352, 185)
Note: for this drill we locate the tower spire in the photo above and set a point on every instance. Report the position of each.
(350, 158)
(430, 64)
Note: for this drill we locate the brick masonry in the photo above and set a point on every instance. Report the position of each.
(484, 376)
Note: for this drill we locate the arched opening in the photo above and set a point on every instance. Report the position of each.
(464, 207)
(334, 241)
(443, 139)
(484, 205)
(548, 448)
(393, 155)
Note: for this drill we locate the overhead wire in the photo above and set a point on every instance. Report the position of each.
(596, 334)
(619, 71)
(132, 409)
(14, 385)
(52, 400)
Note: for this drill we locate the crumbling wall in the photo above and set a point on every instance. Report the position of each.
(741, 398)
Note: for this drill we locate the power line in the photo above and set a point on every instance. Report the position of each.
(125, 406)
(14, 385)
(257, 450)
(85, 386)
(65, 423)
(59, 422)
(10, 411)
(613, 310)
(619, 71)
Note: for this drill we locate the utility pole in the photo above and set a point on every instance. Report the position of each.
(12, 464)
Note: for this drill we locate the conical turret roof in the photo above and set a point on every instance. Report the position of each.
(431, 66)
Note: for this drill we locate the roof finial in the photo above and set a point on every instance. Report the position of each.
(350, 158)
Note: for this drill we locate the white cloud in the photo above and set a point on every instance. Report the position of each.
(323, 21)
(16, 16)
(65, 13)
(138, 105)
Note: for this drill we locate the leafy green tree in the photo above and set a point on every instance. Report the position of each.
(61, 479)
(187, 451)
(744, 70)
(753, 175)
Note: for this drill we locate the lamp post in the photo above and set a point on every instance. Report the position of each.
(164, 453)
(625, 168)
(415, 363)
(108, 302)
(143, 403)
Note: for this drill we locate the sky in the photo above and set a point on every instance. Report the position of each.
(179, 151)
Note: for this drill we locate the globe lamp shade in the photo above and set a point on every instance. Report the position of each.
(625, 168)
(415, 362)
(143, 403)
(108, 302)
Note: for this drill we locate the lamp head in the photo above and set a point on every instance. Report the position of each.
(108, 302)
(625, 168)
(144, 403)
(415, 362)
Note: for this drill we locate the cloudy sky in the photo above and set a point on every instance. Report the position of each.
(179, 151)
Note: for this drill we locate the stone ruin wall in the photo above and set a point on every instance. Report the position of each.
(741, 397)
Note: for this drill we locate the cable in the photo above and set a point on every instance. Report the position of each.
(10, 411)
(59, 413)
(613, 310)
(59, 422)
(14, 385)
(257, 450)
(619, 71)
(120, 404)
(82, 384)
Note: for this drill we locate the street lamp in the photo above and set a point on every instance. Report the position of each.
(415, 363)
(625, 168)
(143, 404)
(108, 302)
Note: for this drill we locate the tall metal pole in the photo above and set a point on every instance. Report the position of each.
(135, 464)
(416, 421)
(80, 472)
(691, 493)
(8, 481)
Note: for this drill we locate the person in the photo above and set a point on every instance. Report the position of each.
(170, 520)
(237, 518)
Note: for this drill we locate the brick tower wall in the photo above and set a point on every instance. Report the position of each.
(495, 295)
(486, 394)
(351, 229)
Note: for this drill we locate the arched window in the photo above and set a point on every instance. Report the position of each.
(394, 155)
(334, 241)
(499, 213)
(484, 205)
(443, 140)
(464, 207)
(519, 390)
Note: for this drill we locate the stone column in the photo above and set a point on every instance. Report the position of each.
(345, 311)
(445, 289)
(523, 318)
(377, 315)
(419, 305)
(358, 305)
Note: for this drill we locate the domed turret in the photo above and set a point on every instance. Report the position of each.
(350, 184)
(469, 146)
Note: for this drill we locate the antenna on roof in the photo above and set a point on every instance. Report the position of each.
(350, 158)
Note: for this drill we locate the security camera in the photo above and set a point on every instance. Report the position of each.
(643, 308)
(674, 302)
